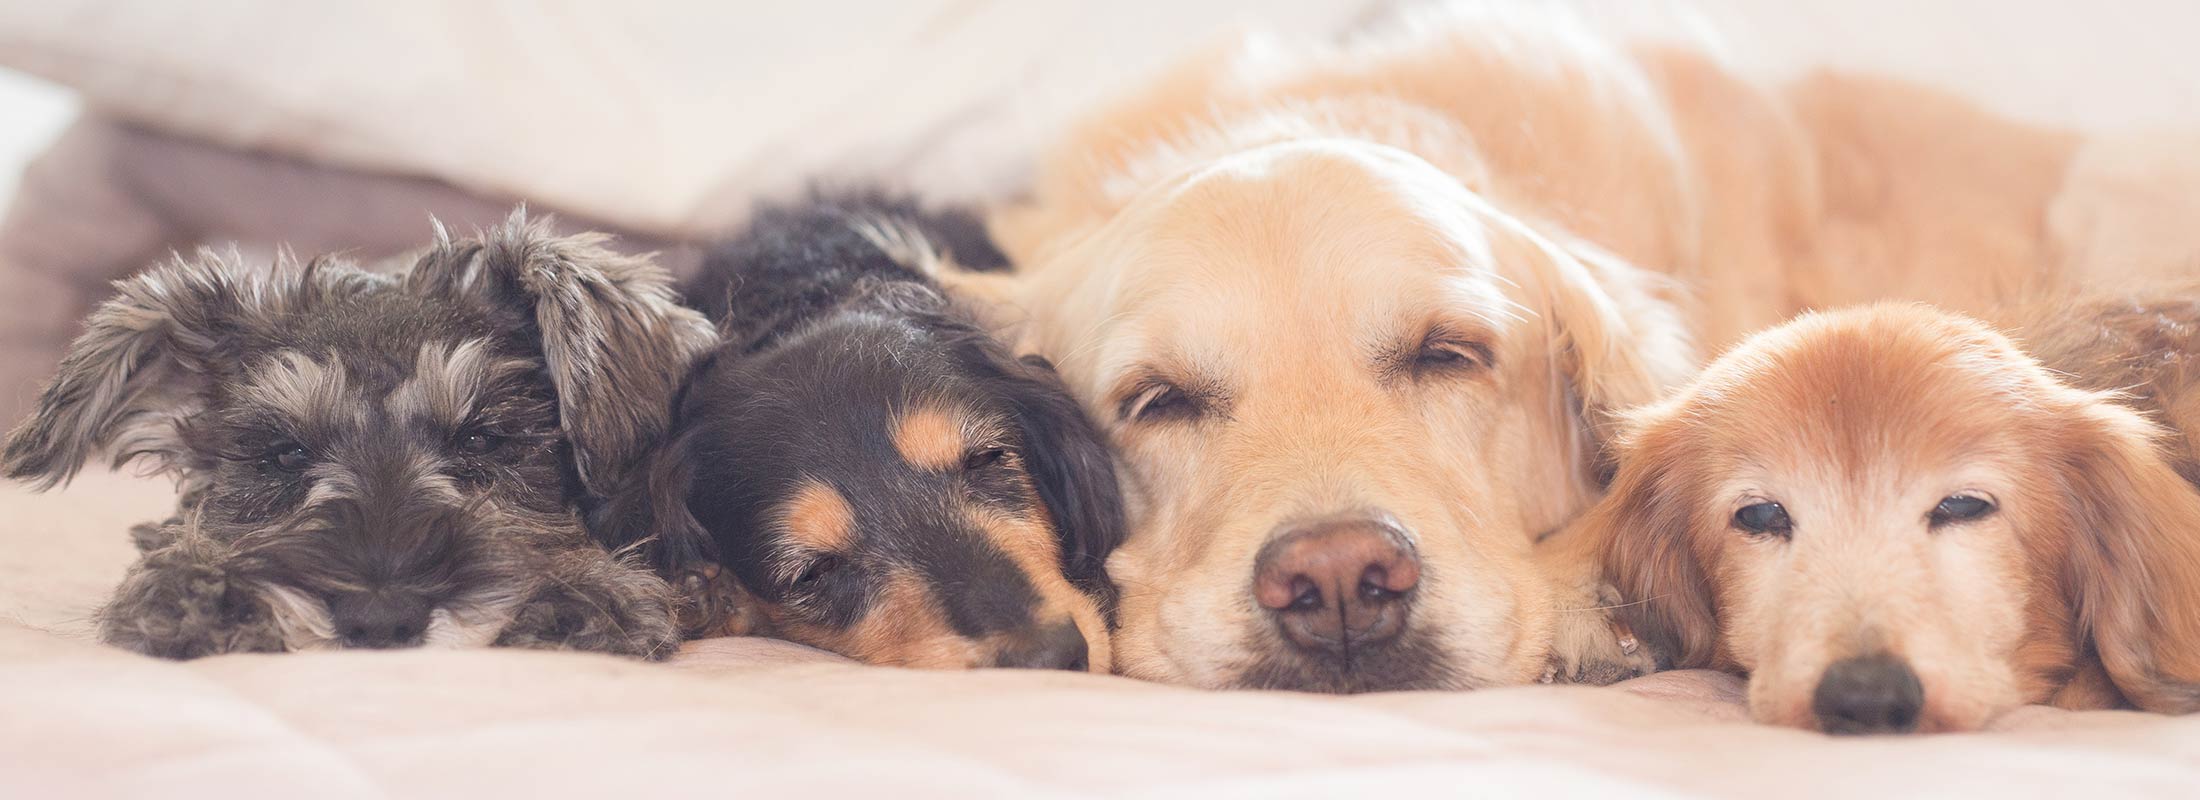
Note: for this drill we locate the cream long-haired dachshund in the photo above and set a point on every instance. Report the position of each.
(1892, 519)
(1354, 316)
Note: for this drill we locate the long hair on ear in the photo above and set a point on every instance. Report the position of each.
(1614, 330)
(648, 511)
(148, 355)
(615, 337)
(1073, 469)
(1642, 532)
(1065, 452)
(2132, 572)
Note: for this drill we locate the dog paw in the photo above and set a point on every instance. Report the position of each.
(623, 615)
(175, 604)
(1594, 648)
(711, 602)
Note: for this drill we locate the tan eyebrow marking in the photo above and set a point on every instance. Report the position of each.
(819, 517)
(932, 438)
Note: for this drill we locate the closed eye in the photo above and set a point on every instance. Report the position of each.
(1442, 352)
(1442, 356)
(984, 458)
(1160, 401)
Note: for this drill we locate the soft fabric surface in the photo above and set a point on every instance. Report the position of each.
(670, 116)
(761, 718)
(666, 117)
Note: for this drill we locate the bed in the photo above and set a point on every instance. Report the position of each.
(183, 143)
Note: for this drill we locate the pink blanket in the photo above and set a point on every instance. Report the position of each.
(748, 717)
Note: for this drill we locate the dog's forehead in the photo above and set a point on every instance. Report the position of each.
(1361, 245)
(378, 339)
(1853, 395)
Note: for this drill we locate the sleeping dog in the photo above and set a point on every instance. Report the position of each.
(876, 475)
(376, 460)
(1894, 520)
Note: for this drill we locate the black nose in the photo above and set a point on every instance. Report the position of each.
(380, 619)
(1059, 647)
(1338, 585)
(1869, 694)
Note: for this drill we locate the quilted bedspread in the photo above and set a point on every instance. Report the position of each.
(754, 717)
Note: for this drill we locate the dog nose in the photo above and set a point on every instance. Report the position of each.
(1338, 584)
(1058, 647)
(1868, 694)
(380, 619)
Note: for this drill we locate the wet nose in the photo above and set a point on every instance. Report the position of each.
(380, 619)
(1338, 584)
(1869, 694)
(1059, 647)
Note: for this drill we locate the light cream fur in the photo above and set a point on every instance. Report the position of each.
(1267, 219)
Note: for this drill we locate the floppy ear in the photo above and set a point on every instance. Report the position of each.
(1641, 532)
(615, 338)
(1074, 472)
(1064, 452)
(2134, 565)
(148, 355)
(1620, 341)
(1624, 345)
(648, 510)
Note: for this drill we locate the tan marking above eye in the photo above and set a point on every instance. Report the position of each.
(819, 518)
(931, 438)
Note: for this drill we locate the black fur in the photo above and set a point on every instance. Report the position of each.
(827, 338)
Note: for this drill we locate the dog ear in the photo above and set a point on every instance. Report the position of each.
(1620, 341)
(615, 338)
(1075, 474)
(1641, 532)
(148, 356)
(648, 510)
(142, 364)
(2133, 569)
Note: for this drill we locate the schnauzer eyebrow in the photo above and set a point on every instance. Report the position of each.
(449, 380)
(298, 387)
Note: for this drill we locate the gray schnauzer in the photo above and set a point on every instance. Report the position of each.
(373, 460)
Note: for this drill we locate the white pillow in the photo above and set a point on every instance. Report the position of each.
(667, 117)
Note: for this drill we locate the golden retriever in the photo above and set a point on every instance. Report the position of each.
(1893, 520)
(1353, 316)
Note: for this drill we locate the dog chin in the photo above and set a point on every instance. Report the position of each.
(1413, 663)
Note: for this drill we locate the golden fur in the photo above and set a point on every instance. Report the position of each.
(1265, 226)
(2082, 587)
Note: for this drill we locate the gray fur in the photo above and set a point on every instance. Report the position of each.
(378, 461)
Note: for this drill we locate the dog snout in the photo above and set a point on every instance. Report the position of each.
(1338, 584)
(380, 619)
(1058, 647)
(1869, 694)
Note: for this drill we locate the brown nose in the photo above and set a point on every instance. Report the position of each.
(1337, 584)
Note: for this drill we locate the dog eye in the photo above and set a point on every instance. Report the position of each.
(1764, 518)
(1960, 508)
(981, 459)
(1447, 355)
(478, 443)
(287, 456)
(815, 572)
(1160, 402)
